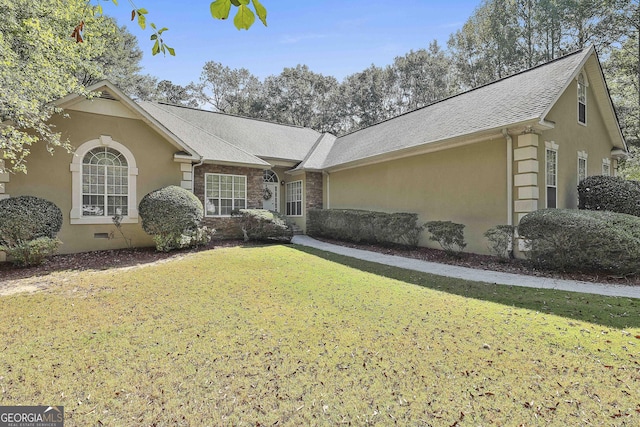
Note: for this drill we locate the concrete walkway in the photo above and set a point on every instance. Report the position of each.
(471, 273)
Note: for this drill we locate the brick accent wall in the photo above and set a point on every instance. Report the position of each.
(314, 191)
(226, 227)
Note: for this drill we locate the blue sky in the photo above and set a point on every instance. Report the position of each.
(333, 37)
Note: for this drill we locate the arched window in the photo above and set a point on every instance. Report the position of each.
(582, 99)
(103, 181)
(269, 176)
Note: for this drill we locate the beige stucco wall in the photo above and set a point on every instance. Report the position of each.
(50, 177)
(571, 138)
(465, 185)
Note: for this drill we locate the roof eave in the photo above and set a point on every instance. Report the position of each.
(533, 124)
(263, 166)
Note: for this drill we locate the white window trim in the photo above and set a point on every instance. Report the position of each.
(606, 162)
(75, 167)
(550, 146)
(273, 179)
(584, 83)
(286, 202)
(582, 156)
(271, 174)
(246, 190)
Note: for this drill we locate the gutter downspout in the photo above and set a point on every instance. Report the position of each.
(328, 189)
(505, 132)
(193, 175)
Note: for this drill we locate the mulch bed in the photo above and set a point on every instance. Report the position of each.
(102, 260)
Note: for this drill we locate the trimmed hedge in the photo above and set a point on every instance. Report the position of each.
(449, 235)
(172, 215)
(609, 193)
(26, 218)
(581, 240)
(365, 226)
(264, 225)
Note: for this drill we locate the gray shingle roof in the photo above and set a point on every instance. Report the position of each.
(257, 137)
(207, 145)
(516, 99)
(318, 154)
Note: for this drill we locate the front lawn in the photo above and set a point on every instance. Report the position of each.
(278, 335)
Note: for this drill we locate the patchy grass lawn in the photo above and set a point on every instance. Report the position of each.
(283, 336)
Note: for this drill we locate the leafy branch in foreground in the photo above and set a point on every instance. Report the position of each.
(220, 9)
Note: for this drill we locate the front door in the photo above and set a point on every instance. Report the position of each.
(270, 196)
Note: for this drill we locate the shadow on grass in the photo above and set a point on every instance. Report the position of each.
(615, 312)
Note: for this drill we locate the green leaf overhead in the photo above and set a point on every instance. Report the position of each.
(142, 20)
(261, 11)
(244, 18)
(220, 9)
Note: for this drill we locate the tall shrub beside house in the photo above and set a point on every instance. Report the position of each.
(28, 228)
(609, 193)
(582, 240)
(172, 215)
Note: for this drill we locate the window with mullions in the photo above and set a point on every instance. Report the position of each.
(105, 183)
(582, 166)
(224, 194)
(552, 178)
(582, 100)
(606, 167)
(294, 198)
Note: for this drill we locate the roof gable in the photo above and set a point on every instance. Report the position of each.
(113, 102)
(210, 147)
(522, 99)
(262, 139)
(597, 82)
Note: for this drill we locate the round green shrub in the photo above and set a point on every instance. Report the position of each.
(172, 215)
(26, 218)
(581, 240)
(609, 193)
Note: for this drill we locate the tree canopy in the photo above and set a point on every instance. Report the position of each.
(39, 63)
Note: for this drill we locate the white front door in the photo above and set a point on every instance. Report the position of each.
(270, 199)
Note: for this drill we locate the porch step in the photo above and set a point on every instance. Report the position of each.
(297, 231)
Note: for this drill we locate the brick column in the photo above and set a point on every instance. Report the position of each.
(313, 191)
